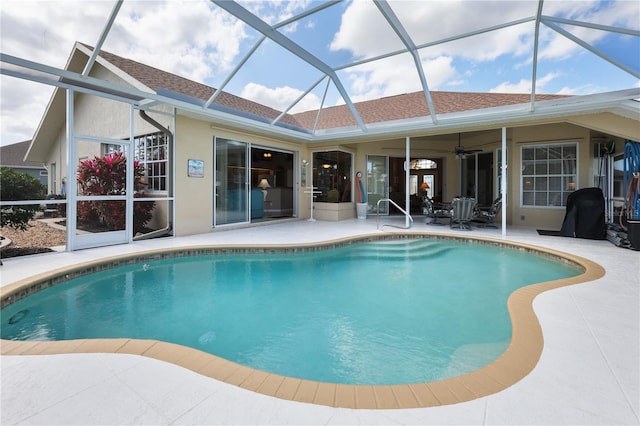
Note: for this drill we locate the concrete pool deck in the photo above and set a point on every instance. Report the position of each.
(587, 374)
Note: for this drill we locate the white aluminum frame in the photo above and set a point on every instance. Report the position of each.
(75, 241)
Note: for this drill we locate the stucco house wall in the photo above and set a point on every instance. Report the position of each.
(194, 195)
(194, 140)
(99, 117)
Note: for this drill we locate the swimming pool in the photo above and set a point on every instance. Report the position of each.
(420, 265)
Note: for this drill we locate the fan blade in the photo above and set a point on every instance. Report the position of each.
(461, 151)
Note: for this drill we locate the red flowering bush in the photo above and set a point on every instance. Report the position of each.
(107, 176)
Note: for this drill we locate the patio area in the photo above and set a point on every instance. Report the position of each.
(588, 372)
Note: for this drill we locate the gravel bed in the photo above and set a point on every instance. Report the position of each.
(38, 238)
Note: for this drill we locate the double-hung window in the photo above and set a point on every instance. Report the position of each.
(152, 150)
(549, 174)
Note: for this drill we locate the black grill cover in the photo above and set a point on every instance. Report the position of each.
(585, 215)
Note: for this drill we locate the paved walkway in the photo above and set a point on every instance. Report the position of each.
(588, 372)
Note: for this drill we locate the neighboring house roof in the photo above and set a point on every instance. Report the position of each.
(13, 156)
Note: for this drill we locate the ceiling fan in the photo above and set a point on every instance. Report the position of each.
(461, 152)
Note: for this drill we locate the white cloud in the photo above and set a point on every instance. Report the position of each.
(524, 85)
(190, 38)
(438, 20)
(275, 11)
(554, 46)
(197, 40)
(20, 114)
(280, 98)
(397, 75)
(454, 83)
(34, 30)
(359, 21)
(434, 21)
(576, 90)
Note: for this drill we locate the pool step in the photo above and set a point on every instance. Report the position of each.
(414, 251)
(402, 246)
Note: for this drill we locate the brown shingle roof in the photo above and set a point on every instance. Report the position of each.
(13, 156)
(157, 79)
(405, 106)
(412, 105)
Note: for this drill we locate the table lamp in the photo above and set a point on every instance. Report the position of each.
(263, 185)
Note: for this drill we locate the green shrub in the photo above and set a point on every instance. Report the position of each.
(107, 176)
(16, 186)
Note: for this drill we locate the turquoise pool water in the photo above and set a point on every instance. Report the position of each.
(386, 312)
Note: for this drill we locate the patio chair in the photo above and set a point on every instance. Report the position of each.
(432, 213)
(462, 212)
(486, 218)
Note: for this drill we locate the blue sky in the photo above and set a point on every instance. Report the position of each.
(198, 40)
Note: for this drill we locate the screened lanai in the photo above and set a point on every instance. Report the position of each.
(304, 47)
(324, 61)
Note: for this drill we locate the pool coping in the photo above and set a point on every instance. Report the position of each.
(515, 363)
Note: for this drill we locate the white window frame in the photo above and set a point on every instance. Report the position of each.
(531, 181)
(139, 153)
(499, 158)
(141, 150)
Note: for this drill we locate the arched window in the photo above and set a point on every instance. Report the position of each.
(422, 164)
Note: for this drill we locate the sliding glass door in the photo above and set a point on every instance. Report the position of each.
(477, 177)
(231, 193)
(377, 182)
